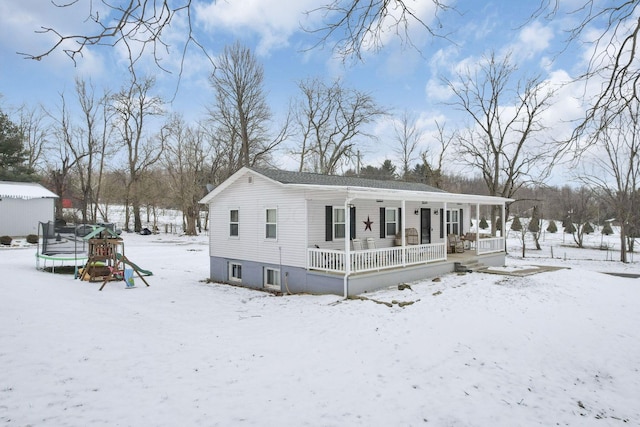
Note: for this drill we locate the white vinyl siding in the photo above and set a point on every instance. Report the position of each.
(251, 200)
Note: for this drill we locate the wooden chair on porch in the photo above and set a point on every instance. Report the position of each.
(357, 244)
(455, 244)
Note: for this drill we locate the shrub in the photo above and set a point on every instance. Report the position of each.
(569, 227)
(607, 230)
(552, 227)
(32, 238)
(587, 228)
(5, 240)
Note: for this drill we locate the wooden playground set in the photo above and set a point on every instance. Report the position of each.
(107, 262)
(103, 251)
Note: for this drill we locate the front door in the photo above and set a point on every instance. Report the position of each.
(425, 226)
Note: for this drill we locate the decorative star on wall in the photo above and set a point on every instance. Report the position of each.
(367, 224)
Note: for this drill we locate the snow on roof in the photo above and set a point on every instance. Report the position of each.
(24, 190)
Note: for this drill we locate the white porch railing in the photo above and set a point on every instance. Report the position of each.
(326, 259)
(489, 245)
(376, 259)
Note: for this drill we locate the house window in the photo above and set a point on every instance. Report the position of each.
(339, 224)
(234, 220)
(235, 272)
(271, 227)
(391, 221)
(453, 222)
(272, 278)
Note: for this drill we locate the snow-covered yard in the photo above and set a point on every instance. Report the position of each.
(554, 348)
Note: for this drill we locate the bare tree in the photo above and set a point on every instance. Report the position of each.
(613, 167)
(408, 137)
(65, 154)
(240, 109)
(142, 25)
(434, 160)
(328, 120)
(612, 30)
(357, 26)
(505, 121)
(35, 131)
(133, 106)
(93, 138)
(185, 160)
(138, 25)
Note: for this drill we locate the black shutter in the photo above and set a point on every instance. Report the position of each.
(461, 222)
(399, 221)
(328, 223)
(442, 223)
(352, 221)
(383, 232)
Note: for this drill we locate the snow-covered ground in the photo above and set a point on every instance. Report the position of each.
(555, 348)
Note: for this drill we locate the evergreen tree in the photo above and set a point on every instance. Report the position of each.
(607, 230)
(515, 224)
(483, 223)
(568, 227)
(587, 228)
(13, 155)
(552, 227)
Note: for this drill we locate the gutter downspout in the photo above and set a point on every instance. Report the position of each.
(443, 220)
(347, 245)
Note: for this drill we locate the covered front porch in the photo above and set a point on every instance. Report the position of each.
(390, 233)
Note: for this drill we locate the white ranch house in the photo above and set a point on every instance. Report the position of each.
(310, 233)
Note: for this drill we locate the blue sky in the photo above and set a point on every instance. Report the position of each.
(398, 77)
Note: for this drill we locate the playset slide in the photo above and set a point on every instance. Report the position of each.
(135, 266)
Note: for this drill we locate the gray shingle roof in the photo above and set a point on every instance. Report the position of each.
(289, 177)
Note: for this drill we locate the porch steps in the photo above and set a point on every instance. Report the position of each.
(469, 266)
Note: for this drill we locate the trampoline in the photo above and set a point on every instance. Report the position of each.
(61, 247)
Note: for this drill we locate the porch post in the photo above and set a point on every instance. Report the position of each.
(347, 246)
(404, 238)
(477, 228)
(504, 224)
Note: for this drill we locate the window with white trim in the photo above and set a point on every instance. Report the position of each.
(235, 272)
(391, 221)
(271, 223)
(453, 221)
(234, 222)
(272, 278)
(339, 224)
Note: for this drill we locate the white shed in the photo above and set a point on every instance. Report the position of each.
(23, 205)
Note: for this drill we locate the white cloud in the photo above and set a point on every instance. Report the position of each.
(274, 21)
